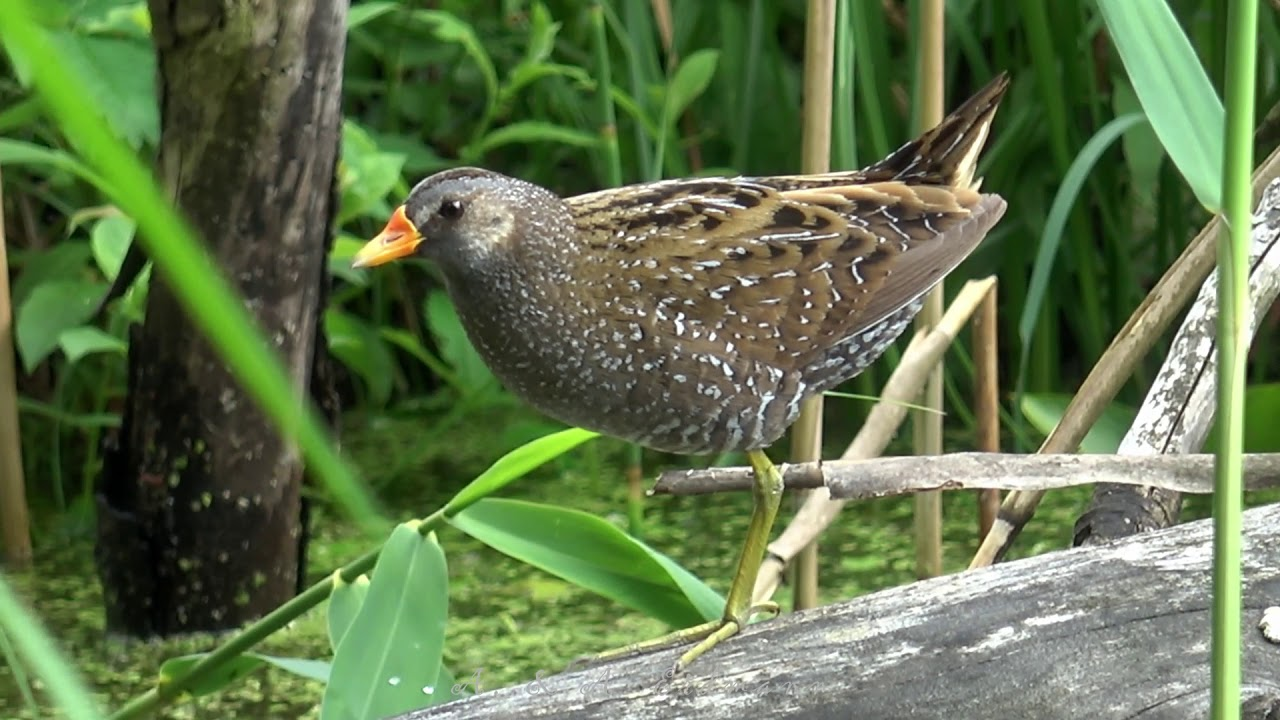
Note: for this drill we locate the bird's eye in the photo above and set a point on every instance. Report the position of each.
(451, 209)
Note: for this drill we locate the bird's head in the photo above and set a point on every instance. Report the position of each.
(461, 218)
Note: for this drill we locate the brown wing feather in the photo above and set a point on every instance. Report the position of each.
(782, 269)
(773, 276)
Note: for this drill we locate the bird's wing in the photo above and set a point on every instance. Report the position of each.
(772, 275)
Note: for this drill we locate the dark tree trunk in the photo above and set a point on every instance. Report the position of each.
(200, 513)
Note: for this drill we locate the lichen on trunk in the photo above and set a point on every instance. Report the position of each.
(200, 506)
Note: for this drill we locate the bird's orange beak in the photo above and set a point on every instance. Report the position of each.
(398, 239)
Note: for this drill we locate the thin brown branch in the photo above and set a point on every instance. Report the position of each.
(884, 477)
(1131, 345)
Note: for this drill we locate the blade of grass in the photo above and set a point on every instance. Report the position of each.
(1173, 88)
(60, 678)
(507, 469)
(750, 85)
(1050, 79)
(844, 140)
(1065, 199)
(871, 51)
(608, 122)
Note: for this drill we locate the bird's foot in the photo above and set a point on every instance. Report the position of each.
(707, 635)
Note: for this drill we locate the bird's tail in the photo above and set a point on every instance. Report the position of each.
(948, 153)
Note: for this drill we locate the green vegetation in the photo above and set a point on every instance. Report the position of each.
(505, 617)
(577, 96)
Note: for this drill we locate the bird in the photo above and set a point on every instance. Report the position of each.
(695, 315)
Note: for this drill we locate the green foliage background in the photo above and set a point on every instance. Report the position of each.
(513, 86)
(518, 87)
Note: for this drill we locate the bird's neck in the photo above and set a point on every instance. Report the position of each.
(513, 310)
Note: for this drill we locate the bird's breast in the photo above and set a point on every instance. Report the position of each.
(615, 371)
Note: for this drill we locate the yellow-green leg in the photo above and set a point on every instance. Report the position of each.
(738, 609)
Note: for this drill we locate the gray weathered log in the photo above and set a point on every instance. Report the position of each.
(1116, 631)
(1134, 341)
(882, 477)
(1179, 406)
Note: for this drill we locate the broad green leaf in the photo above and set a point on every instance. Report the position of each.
(389, 660)
(592, 553)
(110, 240)
(1063, 201)
(361, 13)
(690, 80)
(367, 175)
(63, 262)
(1261, 429)
(522, 430)
(357, 344)
(17, 152)
(1175, 92)
(236, 669)
(120, 74)
(542, 35)
(706, 601)
(1143, 152)
(516, 464)
(344, 605)
(1044, 410)
(533, 131)
(473, 377)
(419, 160)
(525, 75)
(534, 65)
(345, 248)
(78, 342)
(128, 18)
(48, 311)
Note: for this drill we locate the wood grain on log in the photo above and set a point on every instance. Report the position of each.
(1116, 631)
(1127, 349)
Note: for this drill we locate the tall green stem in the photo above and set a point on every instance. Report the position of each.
(170, 689)
(1233, 346)
(604, 94)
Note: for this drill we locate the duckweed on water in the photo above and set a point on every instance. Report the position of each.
(509, 622)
